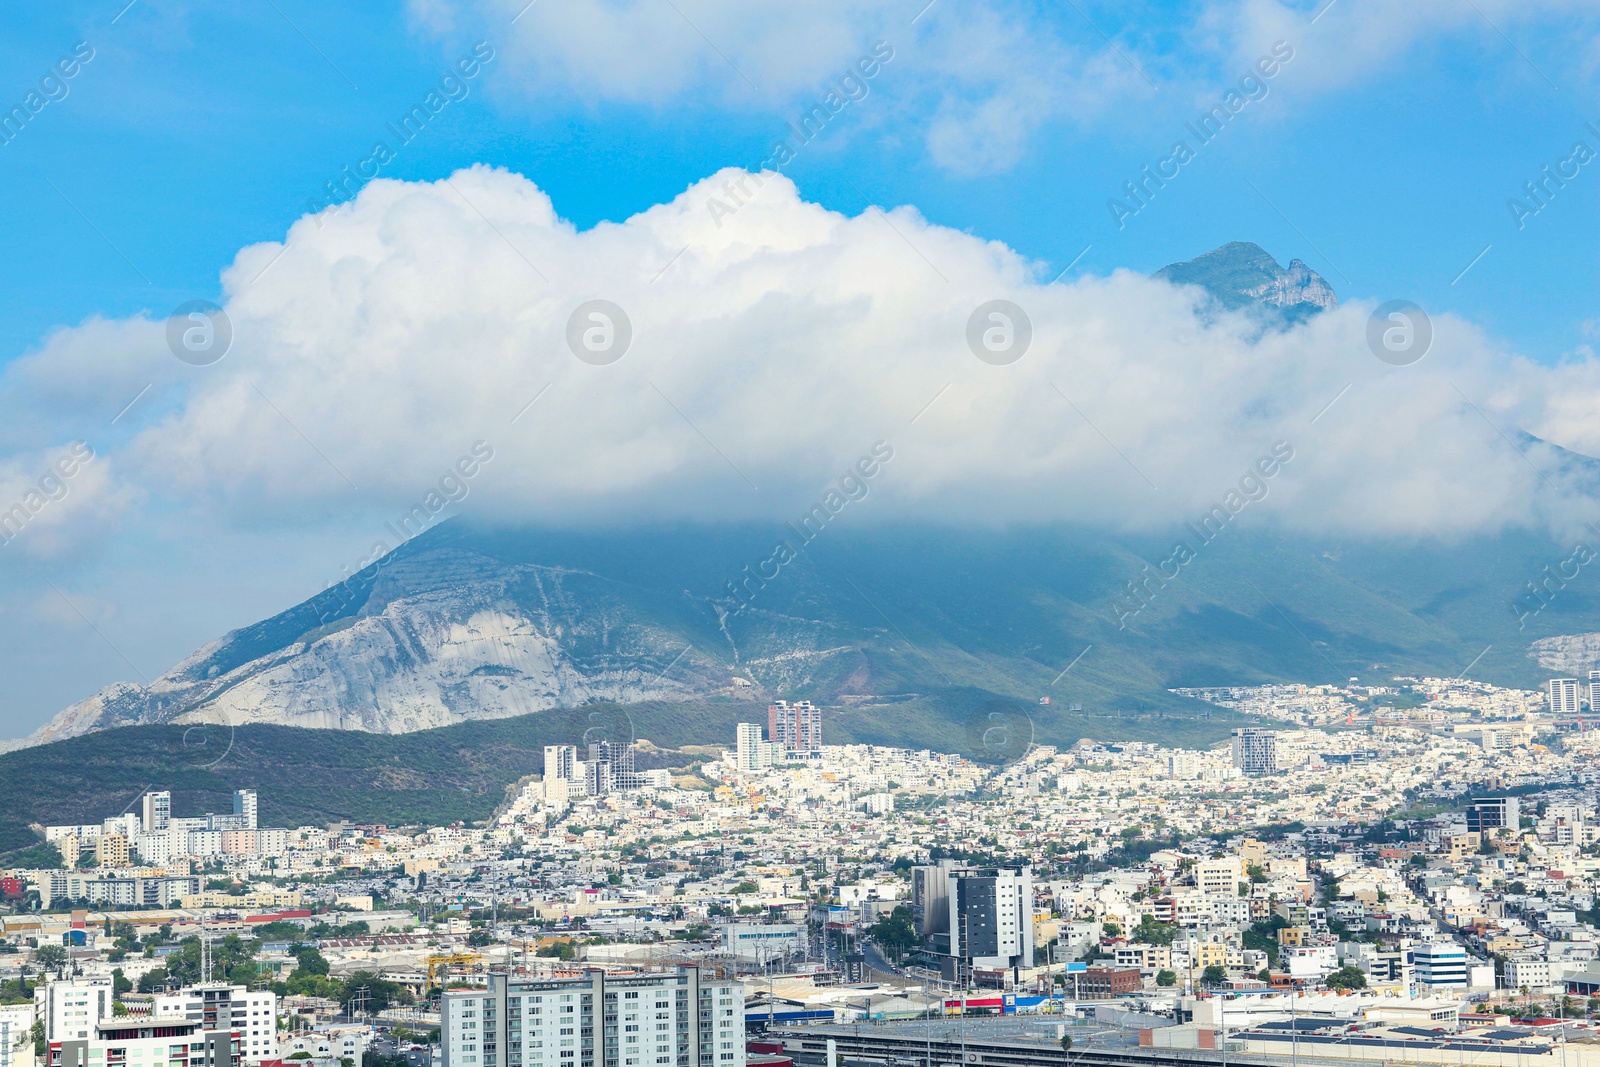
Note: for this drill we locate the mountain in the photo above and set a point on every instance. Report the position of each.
(468, 623)
(463, 772)
(1242, 274)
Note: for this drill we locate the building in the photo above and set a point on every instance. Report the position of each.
(1103, 983)
(1564, 697)
(761, 943)
(991, 917)
(1439, 965)
(663, 1019)
(251, 1017)
(142, 1041)
(71, 1008)
(751, 751)
(795, 728)
(559, 762)
(1219, 877)
(111, 850)
(244, 808)
(157, 815)
(16, 1037)
(1255, 751)
(1530, 974)
(1594, 690)
(1487, 814)
(930, 901)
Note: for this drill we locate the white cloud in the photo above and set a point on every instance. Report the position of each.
(777, 346)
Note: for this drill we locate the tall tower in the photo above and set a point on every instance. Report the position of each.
(244, 806)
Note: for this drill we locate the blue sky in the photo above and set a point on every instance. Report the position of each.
(197, 130)
(1383, 153)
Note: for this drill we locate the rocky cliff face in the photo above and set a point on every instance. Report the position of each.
(1569, 654)
(1241, 274)
(438, 637)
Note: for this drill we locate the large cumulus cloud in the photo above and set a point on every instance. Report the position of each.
(772, 346)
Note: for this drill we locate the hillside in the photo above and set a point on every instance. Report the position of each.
(471, 624)
(461, 772)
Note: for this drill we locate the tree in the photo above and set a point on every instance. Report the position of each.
(1264, 975)
(1347, 977)
(895, 931)
(1166, 978)
(480, 938)
(50, 957)
(1111, 929)
(1215, 974)
(154, 981)
(1066, 1042)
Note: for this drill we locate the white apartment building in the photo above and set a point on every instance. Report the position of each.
(1219, 877)
(663, 1019)
(220, 1006)
(139, 1041)
(72, 1007)
(751, 751)
(1564, 696)
(1530, 974)
(334, 1043)
(16, 1038)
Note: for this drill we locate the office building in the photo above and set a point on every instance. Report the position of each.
(1594, 692)
(250, 1016)
(975, 917)
(1488, 814)
(795, 728)
(663, 1019)
(71, 1008)
(1440, 965)
(1255, 751)
(157, 815)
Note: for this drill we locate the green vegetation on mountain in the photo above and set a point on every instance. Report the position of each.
(462, 772)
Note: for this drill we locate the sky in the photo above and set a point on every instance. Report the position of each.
(406, 211)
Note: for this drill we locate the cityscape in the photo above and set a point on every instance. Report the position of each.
(860, 533)
(1419, 883)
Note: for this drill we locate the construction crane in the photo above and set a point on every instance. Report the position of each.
(441, 963)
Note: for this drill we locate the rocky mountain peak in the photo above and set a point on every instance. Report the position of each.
(1243, 274)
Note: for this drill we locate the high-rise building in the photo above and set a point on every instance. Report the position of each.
(660, 1019)
(157, 815)
(1564, 696)
(244, 808)
(795, 728)
(991, 917)
(610, 767)
(1594, 692)
(558, 762)
(752, 752)
(974, 916)
(1487, 814)
(1255, 751)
